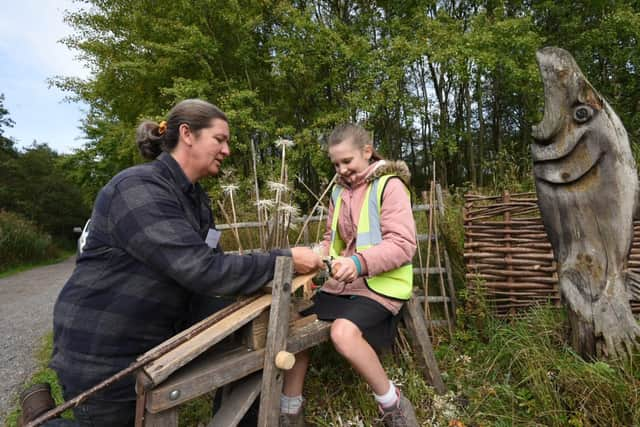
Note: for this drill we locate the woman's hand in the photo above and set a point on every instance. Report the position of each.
(305, 260)
(344, 269)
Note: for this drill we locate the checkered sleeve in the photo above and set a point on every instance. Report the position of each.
(148, 221)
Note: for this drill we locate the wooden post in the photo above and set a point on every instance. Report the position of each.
(272, 377)
(428, 200)
(141, 399)
(439, 263)
(236, 404)
(168, 418)
(414, 321)
(506, 198)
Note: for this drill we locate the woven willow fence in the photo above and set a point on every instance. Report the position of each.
(507, 252)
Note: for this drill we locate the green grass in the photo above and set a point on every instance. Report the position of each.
(43, 374)
(61, 256)
(337, 396)
(522, 372)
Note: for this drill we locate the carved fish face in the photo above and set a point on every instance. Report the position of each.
(578, 126)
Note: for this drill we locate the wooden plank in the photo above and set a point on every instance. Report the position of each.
(295, 284)
(187, 334)
(414, 321)
(168, 418)
(303, 321)
(237, 403)
(440, 202)
(300, 304)
(161, 368)
(255, 333)
(451, 287)
(272, 377)
(214, 370)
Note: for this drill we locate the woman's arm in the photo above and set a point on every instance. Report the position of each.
(147, 221)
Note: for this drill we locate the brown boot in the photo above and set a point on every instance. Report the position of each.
(401, 415)
(35, 401)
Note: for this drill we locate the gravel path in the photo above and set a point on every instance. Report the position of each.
(26, 308)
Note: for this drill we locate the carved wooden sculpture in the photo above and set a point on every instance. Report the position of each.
(587, 182)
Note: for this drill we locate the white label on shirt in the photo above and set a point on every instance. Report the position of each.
(213, 237)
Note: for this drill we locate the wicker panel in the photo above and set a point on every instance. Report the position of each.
(508, 254)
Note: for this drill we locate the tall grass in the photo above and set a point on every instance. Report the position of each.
(522, 372)
(21, 242)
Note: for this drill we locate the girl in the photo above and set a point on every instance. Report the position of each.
(371, 237)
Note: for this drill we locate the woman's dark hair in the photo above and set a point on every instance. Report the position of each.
(196, 113)
(358, 135)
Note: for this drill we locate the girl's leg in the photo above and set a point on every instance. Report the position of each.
(349, 342)
(291, 401)
(294, 377)
(396, 410)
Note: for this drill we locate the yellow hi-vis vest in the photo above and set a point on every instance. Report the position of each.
(397, 283)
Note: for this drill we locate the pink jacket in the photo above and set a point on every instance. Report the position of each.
(398, 231)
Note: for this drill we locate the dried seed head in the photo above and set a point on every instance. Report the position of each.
(277, 186)
(230, 188)
(284, 143)
(265, 203)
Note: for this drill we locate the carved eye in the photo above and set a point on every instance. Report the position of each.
(582, 113)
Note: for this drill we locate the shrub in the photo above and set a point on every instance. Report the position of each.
(21, 242)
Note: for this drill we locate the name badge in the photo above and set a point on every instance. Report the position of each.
(213, 238)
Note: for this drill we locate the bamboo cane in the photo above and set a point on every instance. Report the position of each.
(257, 190)
(324, 193)
(440, 275)
(226, 218)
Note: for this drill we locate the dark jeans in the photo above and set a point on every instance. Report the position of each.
(99, 413)
(102, 413)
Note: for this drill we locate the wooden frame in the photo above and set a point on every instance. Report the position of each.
(193, 368)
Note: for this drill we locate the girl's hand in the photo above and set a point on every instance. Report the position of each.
(344, 269)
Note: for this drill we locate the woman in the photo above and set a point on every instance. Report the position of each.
(371, 235)
(152, 249)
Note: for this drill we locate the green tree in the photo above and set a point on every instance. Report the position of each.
(7, 146)
(450, 82)
(34, 185)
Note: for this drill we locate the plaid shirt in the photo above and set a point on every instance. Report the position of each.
(145, 258)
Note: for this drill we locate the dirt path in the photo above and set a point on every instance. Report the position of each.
(26, 307)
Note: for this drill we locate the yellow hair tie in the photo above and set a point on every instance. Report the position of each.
(162, 127)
